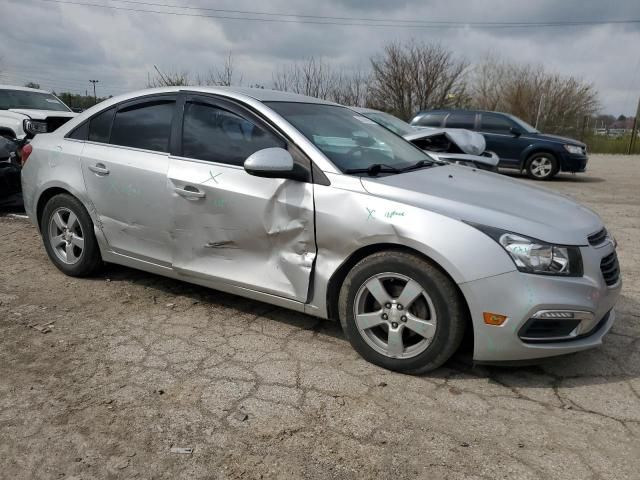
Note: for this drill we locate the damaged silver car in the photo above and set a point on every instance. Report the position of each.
(309, 205)
(453, 145)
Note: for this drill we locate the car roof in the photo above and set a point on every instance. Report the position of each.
(365, 110)
(24, 89)
(260, 94)
(456, 110)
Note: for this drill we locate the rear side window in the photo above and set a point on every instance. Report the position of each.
(461, 120)
(495, 123)
(429, 120)
(144, 125)
(218, 135)
(100, 126)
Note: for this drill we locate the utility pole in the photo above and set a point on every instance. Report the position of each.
(95, 98)
(634, 130)
(540, 103)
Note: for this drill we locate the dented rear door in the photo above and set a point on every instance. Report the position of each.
(229, 226)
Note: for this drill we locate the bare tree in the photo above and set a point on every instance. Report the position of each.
(168, 79)
(414, 76)
(224, 76)
(551, 101)
(312, 77)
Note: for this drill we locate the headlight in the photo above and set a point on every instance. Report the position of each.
(533, 256)
(574, 149)
(35, 126)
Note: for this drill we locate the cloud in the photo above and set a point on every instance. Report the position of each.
(62, 46)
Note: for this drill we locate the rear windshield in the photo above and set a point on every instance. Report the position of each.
(31, 100)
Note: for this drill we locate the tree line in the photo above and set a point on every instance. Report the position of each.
(406, 77)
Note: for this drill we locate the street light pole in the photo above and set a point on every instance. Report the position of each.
(95, 98)
(634, 130)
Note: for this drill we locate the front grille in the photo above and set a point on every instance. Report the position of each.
(55, 122)
(610, 269)
(598, 237)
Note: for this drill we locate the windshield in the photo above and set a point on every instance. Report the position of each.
(350, 140)
(31, 100)
(394, 124)
(524, 125)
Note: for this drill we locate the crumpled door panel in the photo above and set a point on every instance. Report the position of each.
(249, 231)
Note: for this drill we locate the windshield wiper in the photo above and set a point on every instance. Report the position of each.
(375, 169)
(418, 164)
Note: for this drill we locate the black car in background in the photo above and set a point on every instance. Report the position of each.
(517, 143)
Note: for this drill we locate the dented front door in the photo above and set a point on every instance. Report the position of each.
(229, 226)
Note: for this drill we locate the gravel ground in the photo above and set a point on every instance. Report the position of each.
(135, 365)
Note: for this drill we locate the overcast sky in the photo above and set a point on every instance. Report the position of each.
(61, 45)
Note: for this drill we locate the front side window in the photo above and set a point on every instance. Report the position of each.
(144, 125)
(30, 100)
(350, 140)
(461, 120)
(495, 123)
(218, 135)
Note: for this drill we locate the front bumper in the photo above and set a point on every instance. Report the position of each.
(520, 296)
(573, 163)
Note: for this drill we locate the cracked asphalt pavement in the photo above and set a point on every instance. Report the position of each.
(101, 378)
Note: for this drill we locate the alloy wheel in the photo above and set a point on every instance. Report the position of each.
(541, 167)
(395, 316)
(66, 236)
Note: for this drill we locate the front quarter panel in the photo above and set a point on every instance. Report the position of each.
(348, 219)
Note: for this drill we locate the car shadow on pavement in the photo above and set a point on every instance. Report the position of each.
(618, 359)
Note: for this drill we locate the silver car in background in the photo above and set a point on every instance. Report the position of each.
(309, 205)
(453, 145)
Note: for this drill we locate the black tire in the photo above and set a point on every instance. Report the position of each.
(89, 260)
(446, 299)
(547, 174)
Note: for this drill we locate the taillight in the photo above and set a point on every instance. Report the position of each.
(26, 151)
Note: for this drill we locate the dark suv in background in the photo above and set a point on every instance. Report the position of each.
(517, 143)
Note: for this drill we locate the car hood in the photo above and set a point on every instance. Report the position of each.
(469, 142)
(42, 114)
(489, 199)
(556, 138)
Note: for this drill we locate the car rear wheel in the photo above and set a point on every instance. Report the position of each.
(67, 232)
(542, 166)
(401, 312)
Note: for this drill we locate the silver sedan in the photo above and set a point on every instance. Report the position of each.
(311, 206)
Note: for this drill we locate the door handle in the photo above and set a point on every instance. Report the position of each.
(99, 168)
(189, 192)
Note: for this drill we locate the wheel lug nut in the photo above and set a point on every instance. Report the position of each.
(385, 316)
(399, 307)
(403, 318)
(387, 305)
(394, 325)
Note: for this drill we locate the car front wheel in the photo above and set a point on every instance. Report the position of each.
(401, 312)
(542, 166)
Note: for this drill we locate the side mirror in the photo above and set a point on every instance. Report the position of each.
(270, 163)
(516, 131)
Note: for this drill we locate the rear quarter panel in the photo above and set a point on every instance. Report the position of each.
(54, 163)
